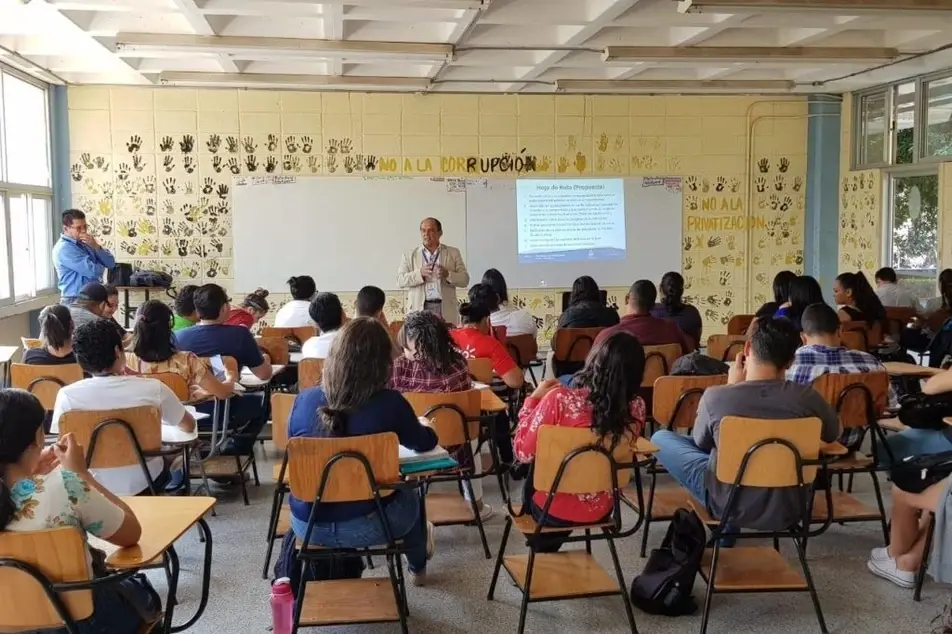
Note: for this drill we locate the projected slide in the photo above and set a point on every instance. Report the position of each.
(570, 220)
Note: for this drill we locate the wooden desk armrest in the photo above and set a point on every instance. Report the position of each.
(164, 520)
(833, 449)
(645, 446)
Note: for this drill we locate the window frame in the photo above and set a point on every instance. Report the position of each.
(889, 197)
(11, 189)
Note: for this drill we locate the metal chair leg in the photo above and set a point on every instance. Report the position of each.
(499, 557)
(921, 573)
(880, 506)
(710, 587)
(809, 579)
(272, 529)
(477, 518)
(621, 584)
(646, 512)
(525, 593)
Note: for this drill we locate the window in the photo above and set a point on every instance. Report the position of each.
(913, 247)
(873, 129)
(939, 118)
(26, 195)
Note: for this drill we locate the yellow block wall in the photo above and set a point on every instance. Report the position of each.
(861, 207)
(152, 166)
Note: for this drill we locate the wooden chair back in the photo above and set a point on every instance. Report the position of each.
(739, 324)
(523, 349)
(853, 339)
(44, 381)
(347, 478)
(588, 472)
(725, 347)
(897, 317)
(281, 405)
(499, 333)
(29, 344)
(772, 465)
(851, 402)
(446, 420)
(60, 554)
(574, 344)
(113, 445)
(658, 362)
(395, 327)
(935, 321)
(175, 382)
(277, 348)
(309, 373)
(872, 335)
(668, 391)
(481, 370)
(299, 335)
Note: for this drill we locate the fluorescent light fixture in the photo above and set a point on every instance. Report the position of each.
(851, 6)
(748, 53)
(681, 85)
(190, 78)
(232, 44)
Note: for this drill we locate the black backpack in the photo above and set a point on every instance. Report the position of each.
(289, 565)
(666, 584)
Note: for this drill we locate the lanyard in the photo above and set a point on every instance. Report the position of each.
(429, 261)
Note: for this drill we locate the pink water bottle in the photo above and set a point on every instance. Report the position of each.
(282, 606)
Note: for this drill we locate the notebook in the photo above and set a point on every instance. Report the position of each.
(433, 460)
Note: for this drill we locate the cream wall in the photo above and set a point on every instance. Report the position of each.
(152, 168)
(861, 207)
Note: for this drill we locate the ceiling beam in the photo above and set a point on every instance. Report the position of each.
(202, 26)
(682, 85)
(192, 78)
(390, 4)
(746, 53)
(685, 6)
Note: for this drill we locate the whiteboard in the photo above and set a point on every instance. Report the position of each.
(344, 232)
(653, 220)
(351, 232)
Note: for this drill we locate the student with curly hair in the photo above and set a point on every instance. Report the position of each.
(430, 362)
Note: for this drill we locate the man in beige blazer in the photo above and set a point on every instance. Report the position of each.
(431, 273)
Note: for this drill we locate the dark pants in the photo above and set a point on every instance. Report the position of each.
(500, 432)
(158, 483)
(115, 611)
(248, 416)
(547, 542)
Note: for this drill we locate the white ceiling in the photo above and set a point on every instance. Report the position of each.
(501, 46)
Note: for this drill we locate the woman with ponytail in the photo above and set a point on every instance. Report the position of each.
(605, 399)
(43, 488)
(56, 335)
(252, 309)
(353, 400)
(672, 307)
(856, 299)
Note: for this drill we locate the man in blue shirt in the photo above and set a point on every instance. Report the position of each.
(78, 257)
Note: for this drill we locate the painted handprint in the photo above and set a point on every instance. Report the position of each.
(763, 165)
(169, 185)
(271, 164)
(691, 182)
(349, 164)
(705, 185)
(249, 145)
(333, 146)
(134, 144)
(128, 229)
(708, 262)
(211, 268)
(346, 146)
(128, 247)
(187, 144)
(785, 205)
(774, 202)
(146, 227)
(563, 165)
(138, 164)
(251, 162)
(123, 171)
(168, 163)
(720, 184)
(166, 144)
(580, 162)
(735, 185)
(189, 165)
(713, 241)
(86, 160)
(731, 240)
(217, 164)
(102, 163)
(602, 145)
(784, 165)
(691, 202)
(222, 191)
(290, 142)
(779, 183)
(313, 164)
(168, 227)
(231, 144)
(687, 244)
(688, 264)
(208, 186)
(76, 172)
(370, 164)
(272, 142)
(307, 144)
(797, 184)
(331, 163)
(213, 143)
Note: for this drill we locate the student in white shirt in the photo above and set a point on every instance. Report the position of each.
(98, 348)
(890, 293)
(295, 313)
(328, 313)
(517, 322)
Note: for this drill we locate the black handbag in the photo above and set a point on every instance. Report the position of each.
(915, 474)
(925, 411)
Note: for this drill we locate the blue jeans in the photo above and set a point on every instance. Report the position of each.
(913, 442)
(248, 417)
(403, 514)
(684, 461)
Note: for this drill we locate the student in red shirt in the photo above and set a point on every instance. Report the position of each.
(475, 340)
(650, 331)
(605, 399)
(253, 308)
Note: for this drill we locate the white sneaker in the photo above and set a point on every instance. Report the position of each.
(430, 542)
(418, 579)
(486, 512)
(879, 554)
(888, 570)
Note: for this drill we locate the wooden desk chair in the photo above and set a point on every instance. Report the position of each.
(46, 580)
(725, 347)
(897, 317)
(280, 521)
(739, 324)
(858, 399)
(853, 339)
(481, 370)
(297, 335)
(277, 349)
(29, 344)
(658, 362)
(309, 373)
(571, 347)
(44, 381)
(524, 349)
(455, 417)
(175, 382)
(332, 470)
(768, 454)
(674, 406)
(860, 327)
(116, 437)
(575, 461)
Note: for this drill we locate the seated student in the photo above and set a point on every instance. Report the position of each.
(756, 389)
(185, 314)
(517, 322)
(604, 399)
(650, 330)
(98, 348)
(328, 313)
(920, 442)
(781, 292)
(252, 309)
(43, 488)
(475, 341)
(804, 291)
(857, 300)
(944, 300)
(370, 303)
(822, 353)
(112, 302)
(908, 527)
(672, 307)
(56, 334)
(890, 293)
(353, 400)
(294, 314)
(210, 338)
(586, 309)
(91, 304)
(430, 361)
